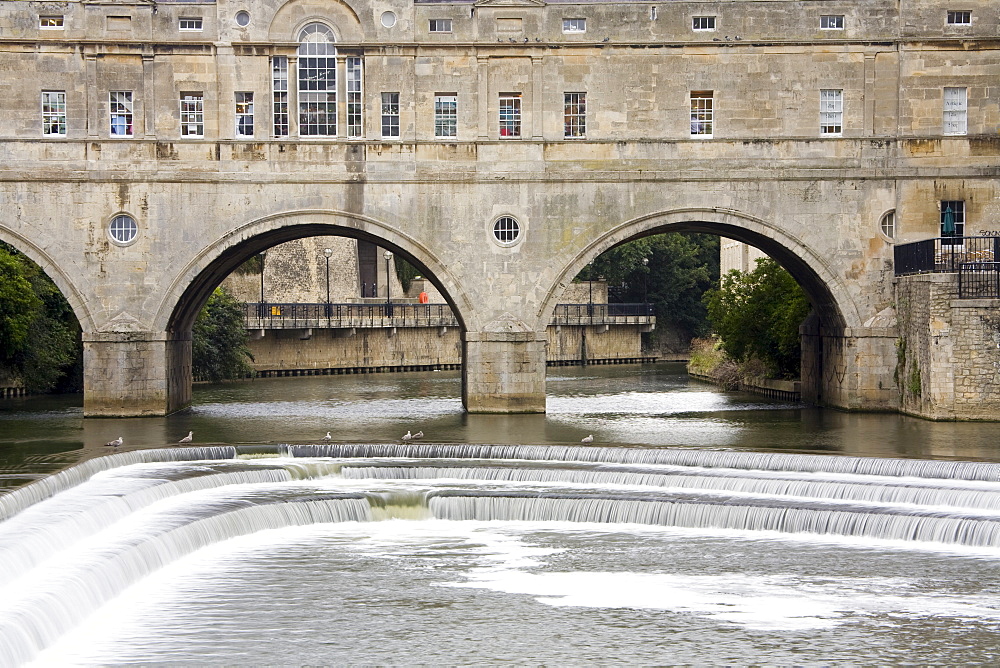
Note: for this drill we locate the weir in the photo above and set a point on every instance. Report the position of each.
(74, 541)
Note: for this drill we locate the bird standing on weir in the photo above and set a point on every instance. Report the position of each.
(589, 438)
(419, 434)
(115, 443)
(327, 438)
(188, 438)
(407, 436)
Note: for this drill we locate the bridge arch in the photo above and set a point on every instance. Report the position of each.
(192, 286)
(828, 294)
(55, 272)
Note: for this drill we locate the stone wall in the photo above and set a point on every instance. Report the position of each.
(948, 351)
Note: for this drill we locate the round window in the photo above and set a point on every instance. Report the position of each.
(506, 230)
(123, 229)
(388, 19)
(888, 224)
(242, 19)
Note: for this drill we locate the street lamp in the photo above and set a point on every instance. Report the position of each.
(263, 256)
(328, 252)
(388, 304)
(645, 278)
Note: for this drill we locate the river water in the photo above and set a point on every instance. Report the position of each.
(700, 527)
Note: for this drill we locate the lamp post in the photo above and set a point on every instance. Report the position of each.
(590, 288)
(328, 252)
(388, 304)
(645, 279)
(263, 256)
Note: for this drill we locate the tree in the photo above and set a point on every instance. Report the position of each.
(39, 333)
(681, 268)
(757, 315)
(220, 345)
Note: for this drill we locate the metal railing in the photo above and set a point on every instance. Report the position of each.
(979, 280)
(270, 315)
(273, 315)
(602, 314)
(944, 254)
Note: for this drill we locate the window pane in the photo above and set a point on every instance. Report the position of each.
(244, 114)
(955, 111)
(831, 108)
(510, 115)
(575, 115)
(279, 88)
(390, 114)
(354, 95)
(192, 115)
(317, 82)
(702, 113)
(53, 113)
(445, 115)
(120, 111)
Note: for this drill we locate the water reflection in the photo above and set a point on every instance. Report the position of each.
(652, 405)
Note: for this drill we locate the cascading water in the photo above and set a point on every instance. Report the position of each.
(79, 540)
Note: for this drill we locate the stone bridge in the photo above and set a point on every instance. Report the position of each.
(137, 229)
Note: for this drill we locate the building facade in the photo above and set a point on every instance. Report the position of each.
(500, 145)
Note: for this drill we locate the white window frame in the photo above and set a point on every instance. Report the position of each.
(390, 115)
(190, 24)
(439, 25)
(123, 229)
(317, 44)
(575, 115)
(887, 224)
(510, 127)
(121, 113)
(192, 106)
(51, 22)
(958, 211)
(702, 104)
(445, 115)
(703, 23)
(955, 111)
(831, 112)
(831, 22)
(53, 113)
(959, 17)
(355, 97)
(244, 114)
(577, 25)
(280, 120)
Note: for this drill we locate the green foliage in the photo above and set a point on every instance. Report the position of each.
(39, 333)
(681, 268)
(405, 272)
(220, 345)
(757, 315)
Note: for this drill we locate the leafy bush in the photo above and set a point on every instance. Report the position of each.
(757, 315)
(220, 345)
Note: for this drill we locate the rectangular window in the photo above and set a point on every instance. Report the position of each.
(120, 111)
(191, 23)
(702, 113)
(831, 22)
(317, 79)
(53, 113)
(956, 111)
(354, 92)
(959, 18)
(51, 22)
(192, 115)
(574, 25)
(279, 91)
(510, 115)
(244, 114)
(575, 115)
(831, 112)
(953, 219)
(446, 115)
(390, 115)
(440, 25)
(703, 23)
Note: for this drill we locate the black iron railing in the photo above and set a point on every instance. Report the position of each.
(272, 315)
(602, 314)
(269, 315)
(978, 280)
(944, 254)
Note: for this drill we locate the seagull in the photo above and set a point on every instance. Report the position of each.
(407, 436)
(188, 438)
(587, 439)
(606, 39)
(115, 443)
(419, 434)
(327, 437)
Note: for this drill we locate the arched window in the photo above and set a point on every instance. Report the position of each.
(317, 81)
